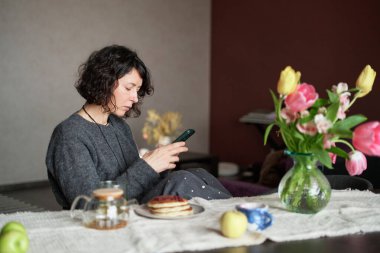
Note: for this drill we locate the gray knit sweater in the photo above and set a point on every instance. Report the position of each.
(78, 158)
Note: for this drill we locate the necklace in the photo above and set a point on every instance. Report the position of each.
(104, 137)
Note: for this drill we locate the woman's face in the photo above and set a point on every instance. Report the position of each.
(125, 93)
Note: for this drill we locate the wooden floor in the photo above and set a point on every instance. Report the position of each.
(31, 199)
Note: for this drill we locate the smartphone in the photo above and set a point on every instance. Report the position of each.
(185, 135)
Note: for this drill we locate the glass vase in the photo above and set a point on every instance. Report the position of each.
(304, 188)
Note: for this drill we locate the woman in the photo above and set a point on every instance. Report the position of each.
(95, 143)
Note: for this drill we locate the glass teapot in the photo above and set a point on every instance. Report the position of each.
(106, 209)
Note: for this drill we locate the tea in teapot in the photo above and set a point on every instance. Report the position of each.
(106, 209)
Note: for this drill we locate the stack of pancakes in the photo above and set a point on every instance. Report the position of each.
(169, 206)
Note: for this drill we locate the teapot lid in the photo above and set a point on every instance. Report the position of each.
(105, 193)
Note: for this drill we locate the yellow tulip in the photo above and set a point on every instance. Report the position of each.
(365, 81)
(288, 81)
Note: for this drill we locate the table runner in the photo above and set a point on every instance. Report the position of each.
(348, 212)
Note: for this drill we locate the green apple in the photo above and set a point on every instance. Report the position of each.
(14, 241)
(233, 224)
(13, 238)
(13, 225)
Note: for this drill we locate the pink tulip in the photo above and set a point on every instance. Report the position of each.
(332, 157)
(303, 98)
(356, 163)
(308, 128)
(366, 138)
(288, 115)
(328, 144)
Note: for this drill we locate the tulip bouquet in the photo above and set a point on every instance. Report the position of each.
(310, 124)
(312, 127)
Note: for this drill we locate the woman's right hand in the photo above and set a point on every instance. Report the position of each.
(165, 157)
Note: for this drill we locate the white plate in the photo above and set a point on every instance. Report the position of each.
(143, 210)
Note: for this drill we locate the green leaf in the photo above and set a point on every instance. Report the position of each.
(299, 136)
(332, 111)
(351, 121)
(320, 102)
(282, 125)
(353, 90)
(309, 117)
(287, 133)
(338, 151)
(275, 101)
(323, 157)
(341, 132)
(314, 111)
(288, 138)
(333, 97)
(267, 131)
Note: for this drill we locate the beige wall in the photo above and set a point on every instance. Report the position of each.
(42, 42)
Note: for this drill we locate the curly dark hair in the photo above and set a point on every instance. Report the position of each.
(98, 76)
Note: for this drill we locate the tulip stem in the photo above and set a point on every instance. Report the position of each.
(347, 143)
(353, 100)
(282, 97)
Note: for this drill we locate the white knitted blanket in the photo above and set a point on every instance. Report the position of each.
(348, 212)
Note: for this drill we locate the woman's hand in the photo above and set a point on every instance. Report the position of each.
(164, 157)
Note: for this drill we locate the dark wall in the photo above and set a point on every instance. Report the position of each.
(252, 41)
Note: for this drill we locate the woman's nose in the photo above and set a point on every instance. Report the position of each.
(134, 97)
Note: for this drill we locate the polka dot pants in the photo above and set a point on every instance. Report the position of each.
(194, 182)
